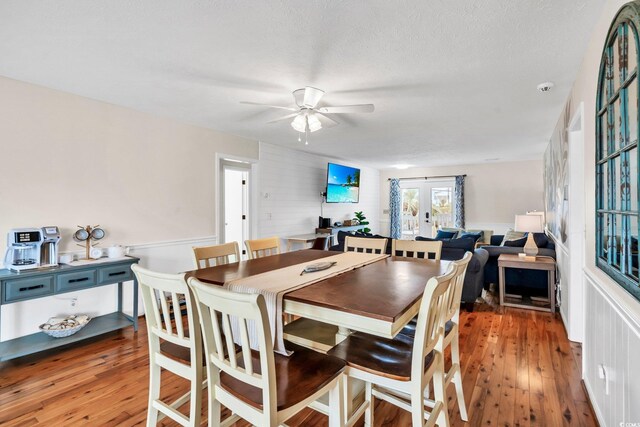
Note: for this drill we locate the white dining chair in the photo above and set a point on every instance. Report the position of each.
(452, 332)
(363, 244)
(260, 386)
(399, 370)
(416, 248)
(259, 248)
(211, 256)
(171, 346)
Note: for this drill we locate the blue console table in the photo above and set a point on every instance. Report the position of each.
(28, 285)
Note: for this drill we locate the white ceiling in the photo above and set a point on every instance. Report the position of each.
(453, 82)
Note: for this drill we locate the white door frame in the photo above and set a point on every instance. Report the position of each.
(577, 223)
(424, 187)
(219, 191)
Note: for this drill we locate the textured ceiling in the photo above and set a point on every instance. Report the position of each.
(453, 81)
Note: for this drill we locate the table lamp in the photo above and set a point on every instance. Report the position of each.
(529, 224)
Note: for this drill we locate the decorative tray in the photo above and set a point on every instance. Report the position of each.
(320, 266)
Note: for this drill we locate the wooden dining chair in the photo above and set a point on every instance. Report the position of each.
(399, 370)
(171, 346)
(452, 331)
(263, 247)
(210, 256)
(260, 386)
(417, 249)
(362, 244)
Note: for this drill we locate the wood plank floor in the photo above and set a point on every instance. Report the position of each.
(519, 369)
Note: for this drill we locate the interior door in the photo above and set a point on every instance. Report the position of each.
(426, 205)
(236, 205)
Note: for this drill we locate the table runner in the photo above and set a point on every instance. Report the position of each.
(274, 284)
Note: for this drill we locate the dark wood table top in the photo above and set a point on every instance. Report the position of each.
(382, 290)
(237, 270)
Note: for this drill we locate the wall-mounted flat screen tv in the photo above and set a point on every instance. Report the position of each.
(343, 184)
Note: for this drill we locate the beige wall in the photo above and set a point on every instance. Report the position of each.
(68, 160)
(494, 192)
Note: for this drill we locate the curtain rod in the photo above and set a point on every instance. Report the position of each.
(426, 177)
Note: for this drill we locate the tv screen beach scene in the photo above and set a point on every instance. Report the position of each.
(343, 184)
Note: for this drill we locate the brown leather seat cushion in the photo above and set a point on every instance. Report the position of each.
(389, 358)
(410, 329)
(297, 376)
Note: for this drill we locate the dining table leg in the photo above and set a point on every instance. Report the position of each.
(342, 334)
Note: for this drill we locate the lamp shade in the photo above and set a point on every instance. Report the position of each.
(528, 223)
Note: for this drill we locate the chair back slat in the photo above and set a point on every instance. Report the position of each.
(263, 247)
(245, 308)
(166, 312)
(177, 314)
(430, 324)
(455, 293)
(219, 254)
(362, 244)
(415, 248)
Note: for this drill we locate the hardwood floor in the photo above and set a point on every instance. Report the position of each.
(519, 369)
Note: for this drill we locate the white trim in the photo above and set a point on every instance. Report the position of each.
(594, 405)
(192, 240)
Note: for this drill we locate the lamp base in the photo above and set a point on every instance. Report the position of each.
(530, 247)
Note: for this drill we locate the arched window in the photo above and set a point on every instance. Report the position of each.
(617, 152)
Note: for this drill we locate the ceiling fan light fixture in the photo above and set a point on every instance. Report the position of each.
(314, 123)
(299, 123)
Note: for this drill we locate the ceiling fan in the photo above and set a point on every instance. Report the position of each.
(308, 116)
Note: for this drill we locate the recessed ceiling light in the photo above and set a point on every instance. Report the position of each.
(545, 87)
(402, 166)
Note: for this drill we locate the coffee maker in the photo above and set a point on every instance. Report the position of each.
(30, 248)
(23, 249)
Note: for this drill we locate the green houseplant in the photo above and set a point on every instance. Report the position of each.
(362, 220)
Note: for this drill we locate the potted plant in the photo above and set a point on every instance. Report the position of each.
(362, 220)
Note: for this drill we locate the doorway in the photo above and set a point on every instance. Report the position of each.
(426, 206)
(235, 219)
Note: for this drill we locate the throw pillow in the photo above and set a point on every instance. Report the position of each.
(512, 235)
(456, 231)
(474, 236)
(518, 243)
(445, 235)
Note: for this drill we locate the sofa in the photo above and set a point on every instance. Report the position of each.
(518, 281)
(452, 250)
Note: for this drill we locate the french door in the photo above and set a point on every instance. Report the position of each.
(426, 206)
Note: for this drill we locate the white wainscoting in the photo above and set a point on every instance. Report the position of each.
(612, 340)
(23, 318)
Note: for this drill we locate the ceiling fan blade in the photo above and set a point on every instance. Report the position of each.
(342, 109)
(288, 116)
(326, 121)
(270, 106)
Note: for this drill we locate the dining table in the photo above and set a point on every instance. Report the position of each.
(379, 298)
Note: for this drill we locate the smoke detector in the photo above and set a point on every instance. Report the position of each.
(545, 87)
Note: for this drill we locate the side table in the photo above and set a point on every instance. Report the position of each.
(539, 263)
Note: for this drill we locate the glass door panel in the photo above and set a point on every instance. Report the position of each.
(410, 213)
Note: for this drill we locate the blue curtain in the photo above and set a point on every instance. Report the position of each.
(395, 208)
(459, 205)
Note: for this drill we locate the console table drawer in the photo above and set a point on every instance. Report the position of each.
(22, 289)
(117, 273)
(75, 281)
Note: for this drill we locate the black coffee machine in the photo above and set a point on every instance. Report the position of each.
(324, 222)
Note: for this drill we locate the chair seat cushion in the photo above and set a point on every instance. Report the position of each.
(297, 377)
(389, 358)
(410, 329)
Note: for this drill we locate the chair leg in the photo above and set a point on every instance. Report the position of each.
(336, 402)
(440, 393)
(457, 377)
(368, 413)
(348, 398)
(154, 393)
(195, 403)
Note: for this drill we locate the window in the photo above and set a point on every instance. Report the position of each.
(617, 152)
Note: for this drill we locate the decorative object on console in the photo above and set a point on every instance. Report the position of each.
(362, 220)
(60, 327)
(87, 235)
(529, 224)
